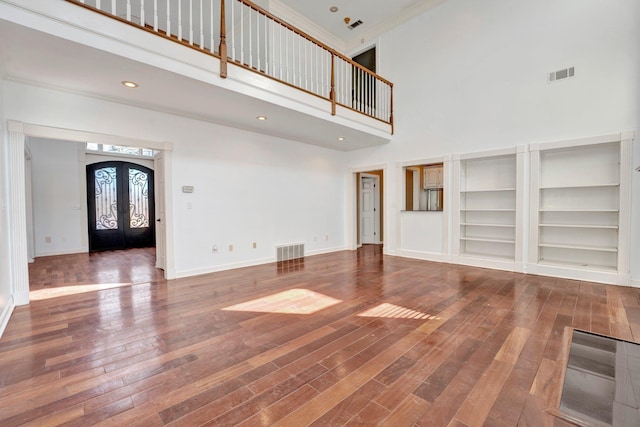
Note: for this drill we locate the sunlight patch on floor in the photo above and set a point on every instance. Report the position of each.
(395, 312)
(293, 301)
(63, 291)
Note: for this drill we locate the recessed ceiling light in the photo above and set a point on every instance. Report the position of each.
(261, 118)
(333, 9)
(130, 84)
(341, 138)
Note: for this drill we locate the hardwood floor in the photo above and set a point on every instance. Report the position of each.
(349, 338)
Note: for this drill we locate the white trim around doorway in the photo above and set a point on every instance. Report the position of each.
(18, 132)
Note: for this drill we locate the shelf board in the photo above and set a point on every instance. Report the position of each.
(607, 227)
(578, 210)
(488, 225)
(488, 190)
(486, 239)
(580, 247)
(563, 187)
(487, 210)
(487, 257)
(552, 263)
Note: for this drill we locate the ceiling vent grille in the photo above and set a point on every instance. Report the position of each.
(355, 24)
(561, 74)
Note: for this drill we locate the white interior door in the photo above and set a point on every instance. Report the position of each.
(369, 223)
(159, 174)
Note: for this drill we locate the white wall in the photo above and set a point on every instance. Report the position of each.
(5, 244)
(248, 187)
(57, 197)
(472, 76)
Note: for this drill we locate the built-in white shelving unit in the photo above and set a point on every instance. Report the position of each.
(487, 223)
(580, 209)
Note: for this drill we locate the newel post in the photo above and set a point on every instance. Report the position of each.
(223, 42)
(332, 92)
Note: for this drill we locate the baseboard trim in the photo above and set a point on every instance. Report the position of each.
(6, 315)
(248, 263)
(63, 252)
(425, 256)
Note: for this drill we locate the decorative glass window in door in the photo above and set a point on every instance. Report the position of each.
(138, 199)
(106, 199)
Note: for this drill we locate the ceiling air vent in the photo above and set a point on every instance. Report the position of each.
(355, 24)
(561, 74)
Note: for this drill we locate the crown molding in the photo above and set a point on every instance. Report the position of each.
(296, 19)
(390, 23)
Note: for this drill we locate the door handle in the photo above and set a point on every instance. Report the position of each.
(158, 220)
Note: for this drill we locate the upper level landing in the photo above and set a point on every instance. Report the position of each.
(196, 61)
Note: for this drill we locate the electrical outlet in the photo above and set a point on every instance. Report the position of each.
(47, 239)
(326, 237)
(215, 248)
(230, 248)
(254, 245)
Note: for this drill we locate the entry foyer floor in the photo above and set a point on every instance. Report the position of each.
(349, 338)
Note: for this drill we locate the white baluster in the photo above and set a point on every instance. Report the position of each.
(201, 26)
(306, 65)
(242, 33)
(250, 40)
(371, 93)
(113, 7)
(129, 10)
(180, 20)
(266, 46)
(142, 12)
(233, 31)
(155, 15)
(168, 17)
(191, 22)
(211, 48)
(280, 50)
(286, 55)
(258, 39)
(97, 3)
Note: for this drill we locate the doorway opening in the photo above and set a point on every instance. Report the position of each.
(369, 207)
(21, 221)
(363, 84)
(120, 206)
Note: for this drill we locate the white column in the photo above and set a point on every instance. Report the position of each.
(18, 215)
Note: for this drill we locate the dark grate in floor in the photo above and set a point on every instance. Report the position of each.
(602, 381)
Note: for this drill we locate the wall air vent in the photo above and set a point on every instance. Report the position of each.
(554, 76)
(355, 24)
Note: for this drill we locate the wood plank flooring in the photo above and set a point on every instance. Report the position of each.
(349, 338)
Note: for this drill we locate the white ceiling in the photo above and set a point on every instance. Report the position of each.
(376, 15)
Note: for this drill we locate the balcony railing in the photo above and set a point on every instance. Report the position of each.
(246, 35)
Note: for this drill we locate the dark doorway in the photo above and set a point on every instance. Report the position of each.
(120, 206)
(367, 59)
(364, 84)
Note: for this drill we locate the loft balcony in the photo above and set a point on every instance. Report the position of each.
(225, 61)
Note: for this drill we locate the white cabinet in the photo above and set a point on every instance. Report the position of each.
(579, 208)
(487, 221)
(433, 176)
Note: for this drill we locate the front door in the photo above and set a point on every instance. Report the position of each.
(120, 206)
